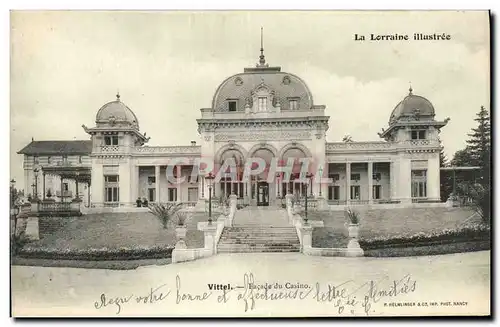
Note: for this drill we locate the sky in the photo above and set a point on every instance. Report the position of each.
(167, 65)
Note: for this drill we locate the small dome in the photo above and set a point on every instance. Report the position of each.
(116, 112)
(412, 107)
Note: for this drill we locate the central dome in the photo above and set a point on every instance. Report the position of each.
(238, 88)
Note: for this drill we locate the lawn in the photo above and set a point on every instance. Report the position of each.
(114, 231)
(387, 223)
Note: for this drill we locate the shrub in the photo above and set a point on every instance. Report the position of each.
(182, 217)
(353, 216)
(165, 212)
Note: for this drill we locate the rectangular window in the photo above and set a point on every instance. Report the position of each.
(355, 177)
(111, 188)
(377, 191)
(419, 183)
(418, 135)
(231, 105)
(334, 192)
(151, 195)
(355, 192)
(294, 104)
(65, 187)
(377, 176)
(334, 177)
(192, 194)
(111, 179)
(262, 104)
(151, 180)
(172, 194)
(111, 140)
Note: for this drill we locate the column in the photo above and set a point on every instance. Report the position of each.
(348, 182)
(433, 179)
(157, 183)
(62, 190)
(404, 182)
(178, 167)
(43, 195)
(370, 182)
(76, 189)
(135, 185)
(392, 180)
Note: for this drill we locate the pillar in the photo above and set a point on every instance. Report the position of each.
(43, 195)
(370, 182)
(76, 189)
(157, 183)
(433, 179)
(97, 182)
(404, 182)
(62, 190)
(178, 167)
(348, 182)
(135, 184)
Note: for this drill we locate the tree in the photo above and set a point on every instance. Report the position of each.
(479, 145)
(462, 158)
(165, 212)
(445, 179)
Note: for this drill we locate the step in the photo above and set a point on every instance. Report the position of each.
(256, 250)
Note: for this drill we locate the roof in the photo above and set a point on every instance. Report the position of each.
(412, 106)
(284, 86)
(57, 147)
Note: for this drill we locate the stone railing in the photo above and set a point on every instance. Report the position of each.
(110, 148)
(55, 207)
(190, 149)
(335, 146)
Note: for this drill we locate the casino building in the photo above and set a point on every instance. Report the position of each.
(261, 112)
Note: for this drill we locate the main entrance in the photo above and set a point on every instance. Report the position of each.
(263, 194)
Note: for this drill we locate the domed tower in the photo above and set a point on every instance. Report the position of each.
(413, 119)
(414, 131)
(114, 138)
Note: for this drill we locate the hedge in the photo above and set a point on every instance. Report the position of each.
(468, 234)
(96, 254)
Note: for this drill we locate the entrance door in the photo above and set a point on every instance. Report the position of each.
(263, 194)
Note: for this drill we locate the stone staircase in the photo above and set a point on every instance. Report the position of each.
(252, 238)
(258, 229)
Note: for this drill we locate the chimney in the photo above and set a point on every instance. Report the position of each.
(193, 143)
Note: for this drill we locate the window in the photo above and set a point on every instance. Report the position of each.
(355, 177)
(151, 195)
(36, 160)
(377, 176)
(151, 180)
(262, 104)
(111, 179)
(294, 104)
(79, 159)
(65, 187)
(111, 188)
(355, 190)
(231, 105)
(418, 135)
(172, 194)
(419, 183)
(192, 194)
(334, 192)
(377, 191)
(334, 177)
(111, 140)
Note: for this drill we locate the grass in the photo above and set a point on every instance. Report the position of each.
(387, 223)
(114, 231)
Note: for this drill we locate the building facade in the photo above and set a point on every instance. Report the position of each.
(262, 112)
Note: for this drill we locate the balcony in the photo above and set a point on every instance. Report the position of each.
(110, 148)
(65, 194)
